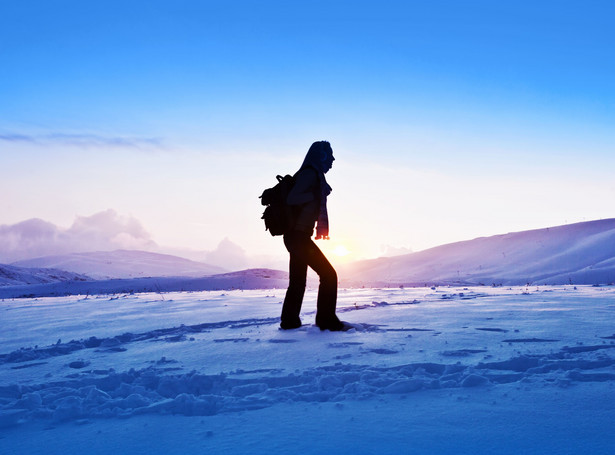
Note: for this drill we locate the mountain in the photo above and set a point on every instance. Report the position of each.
(123, 264)
(581, 253)
(11, 276)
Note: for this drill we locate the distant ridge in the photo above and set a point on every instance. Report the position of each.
(580, 253)
(123, 264)
(11, 275)
(244, 279)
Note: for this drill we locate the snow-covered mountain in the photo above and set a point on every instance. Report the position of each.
(11, 275)
(581, 253)
(123, 264)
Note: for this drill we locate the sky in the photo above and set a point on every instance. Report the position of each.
(157, 124)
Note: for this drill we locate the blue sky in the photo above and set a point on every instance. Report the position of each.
(449, 120)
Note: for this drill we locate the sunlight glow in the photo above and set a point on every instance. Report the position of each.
(341, 251)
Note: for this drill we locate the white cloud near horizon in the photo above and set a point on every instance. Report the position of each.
(227, 255)
(390, 250)
(103, 231)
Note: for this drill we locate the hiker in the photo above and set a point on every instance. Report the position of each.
(308, 200)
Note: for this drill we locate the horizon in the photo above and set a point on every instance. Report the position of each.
(220, 257)
(575, 254)
(159, 127)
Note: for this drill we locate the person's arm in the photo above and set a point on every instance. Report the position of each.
(303, 190)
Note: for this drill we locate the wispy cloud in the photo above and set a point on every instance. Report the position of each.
(83, 140)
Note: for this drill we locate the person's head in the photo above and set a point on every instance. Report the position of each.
(320, 156)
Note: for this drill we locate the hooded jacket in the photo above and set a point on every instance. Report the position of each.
(309, 194)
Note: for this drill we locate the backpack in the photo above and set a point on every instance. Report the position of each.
(278, 215)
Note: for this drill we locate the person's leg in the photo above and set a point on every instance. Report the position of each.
(296, 281)
(327, 291)
(303, 253)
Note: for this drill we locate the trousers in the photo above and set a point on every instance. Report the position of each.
(303, 254)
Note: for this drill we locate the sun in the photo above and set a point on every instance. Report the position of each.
(341, 251)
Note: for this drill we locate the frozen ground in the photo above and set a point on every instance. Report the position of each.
(447, 370)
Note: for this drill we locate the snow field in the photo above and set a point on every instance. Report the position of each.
(220, 357)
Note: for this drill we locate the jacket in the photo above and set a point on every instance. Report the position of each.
(304, 199)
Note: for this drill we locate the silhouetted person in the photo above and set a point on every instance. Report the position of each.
(308, 198)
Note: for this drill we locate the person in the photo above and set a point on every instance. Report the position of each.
(308, 201)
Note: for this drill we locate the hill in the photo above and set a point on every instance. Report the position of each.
(11, 275)
(123, 264)
(244, 279)
(581, 253)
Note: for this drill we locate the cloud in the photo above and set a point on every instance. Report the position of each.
(104, 231)
(227, 255)
(388, 250)
(83, 140)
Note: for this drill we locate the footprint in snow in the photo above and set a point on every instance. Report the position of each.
(462, 352)
(345, 344)
(233, 340)
(383, 351)
(529, 340)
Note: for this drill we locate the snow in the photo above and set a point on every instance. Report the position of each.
(424, 370)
